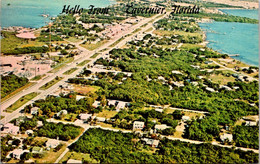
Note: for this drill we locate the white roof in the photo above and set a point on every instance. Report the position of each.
(102, 119)
(210, 89)
(112, 102)
(176, 72)
(35, 109)
(96, 103)
(161, 127)
(78, 97)
(74, 161)
(226, 136)
(185, 118)
(121, 104)
(52, 142)
(84, 116)
(159, 110)
(18, 151)
(139, 122)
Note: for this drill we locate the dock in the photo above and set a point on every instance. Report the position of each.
(233, 55)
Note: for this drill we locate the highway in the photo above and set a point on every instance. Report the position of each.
(85, 55)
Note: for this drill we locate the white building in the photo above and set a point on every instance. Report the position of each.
(138, 125)
(11, 129)
(225, 136)
(185, 118)
(74, 161)
(52, 143)
(84, 116)
(159, 110)
(161, 127)
(34, 110)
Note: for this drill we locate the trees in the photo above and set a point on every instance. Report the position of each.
(10, 83)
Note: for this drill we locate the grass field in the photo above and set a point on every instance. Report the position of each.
(107, 114)
(220, 79)
(20, 102)
(169, 33)
(116, 42)
(50, 156)
(94, 46)
(59, 66)
(38, 77)
(83, 63)
(95, 55)
(149, 29)
(77, 156)
(85, 89)
(50, 83)
(17, 91)
(73, 39)
(70, 71)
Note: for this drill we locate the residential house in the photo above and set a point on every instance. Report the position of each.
(251, 123)
(101, 119)
(96, 104)
(52, 143)
(78, 97)
(18, 152)
(120, 105)
(84, 116)
(159, 110)
(39, 124)
(185, 118)
(11, 129)
(37, 150)
(74, 161)
(29, 132)
(161, 127)
(111, 103)
(138, 125)
(34, 110)
(226, 136)
(151, 142)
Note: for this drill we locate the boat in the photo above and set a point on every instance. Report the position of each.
(45, 15)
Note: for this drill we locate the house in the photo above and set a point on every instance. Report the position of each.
(185, 118)
(39, 124)
(11, 128)
(111, 102)
(62, 112)
(226, 136)
(138, 125)
(101, 119)
(96, 104)
(161, 127)
(78, 97)
(120, 105)
(37, 150)
(159, 110)
(52, 143)
(151, 142)
(251, 123)
(74, 161)
(29, 132)
(18, 152)
(84, 116)
(210, 89)
(34, 110)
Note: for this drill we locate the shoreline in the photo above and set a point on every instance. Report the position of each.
(206, 42)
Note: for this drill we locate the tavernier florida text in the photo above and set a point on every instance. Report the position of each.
(130, 9)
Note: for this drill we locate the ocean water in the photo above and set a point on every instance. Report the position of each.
(27, 13)
(235, 38)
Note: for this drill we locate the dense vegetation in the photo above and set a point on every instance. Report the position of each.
(27, 50)
(246, 136)
(62, 131)
(117, 147)
(223, 17)
(52, 105)
(10, 83)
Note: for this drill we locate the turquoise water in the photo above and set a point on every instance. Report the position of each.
(235, 38)
(243, 13)
(27, 13)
